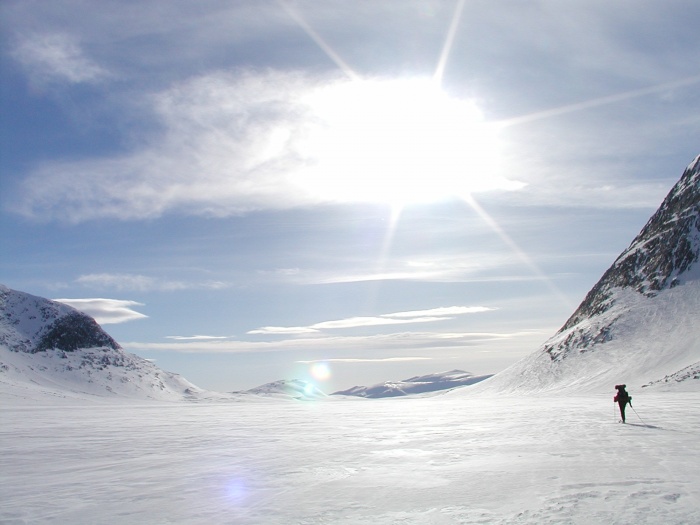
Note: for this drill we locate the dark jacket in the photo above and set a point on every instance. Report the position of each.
(622, 397)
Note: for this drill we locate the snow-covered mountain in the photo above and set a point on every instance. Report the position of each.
(51, 350)
(640, 324)
(287, 388)
(415, 385)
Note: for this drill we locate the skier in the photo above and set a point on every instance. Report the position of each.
(622, 398)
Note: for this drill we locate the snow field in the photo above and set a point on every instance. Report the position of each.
(446, 459)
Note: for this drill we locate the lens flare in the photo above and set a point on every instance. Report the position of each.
(320, 371)
(236, 490)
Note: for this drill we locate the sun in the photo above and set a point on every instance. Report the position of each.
(397, 141)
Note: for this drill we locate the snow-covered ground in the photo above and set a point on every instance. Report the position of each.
(444, 459)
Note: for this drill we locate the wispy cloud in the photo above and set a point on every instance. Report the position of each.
(57, 57)
(395, 342)
(432, 277)
(283, 272)
(142, 283)
(283, 330)
(232, 143)
(229, 142)
(442, 312)
(357, 322)
(476, 266)
(417, 316)
(367, 360)
(106, 311)
(196, 337)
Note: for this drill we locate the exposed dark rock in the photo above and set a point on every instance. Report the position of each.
(666, 248)
(688, 373)
(73, 331)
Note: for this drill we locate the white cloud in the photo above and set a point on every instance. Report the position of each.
(398, 342)
(142, 283)
(231, 143)
(356, 322)
(367, 360)
(478, 265)
(284, 272)
(106, 311)
(195, 337)
(57, 57)
(418, 316)
(117, 281)
(443, 311)
(283, 330)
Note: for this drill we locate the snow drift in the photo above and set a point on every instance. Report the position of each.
(639, 324)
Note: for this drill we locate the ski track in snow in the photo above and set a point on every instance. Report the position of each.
(447, 459)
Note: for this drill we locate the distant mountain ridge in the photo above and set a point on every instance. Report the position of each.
(287, 388)
(641, 321)
(49, 348)
(415, 385)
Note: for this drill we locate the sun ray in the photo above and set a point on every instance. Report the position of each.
(597, 102)
(320, 42)
(385, 252)
(449, 40)
(519, 252)
(398, 204)
(394, 219)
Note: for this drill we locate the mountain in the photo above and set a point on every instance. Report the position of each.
(640, 324)
(415, 385)
(292, 388)
(51, 350)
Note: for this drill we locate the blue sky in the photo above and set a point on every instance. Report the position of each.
(242, 190)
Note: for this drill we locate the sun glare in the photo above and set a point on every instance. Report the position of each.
(397, 141)
(320, 371)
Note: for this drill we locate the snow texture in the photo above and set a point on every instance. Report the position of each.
(415, 385)
(446, 459)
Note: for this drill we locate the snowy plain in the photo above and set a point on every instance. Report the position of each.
(453, 458)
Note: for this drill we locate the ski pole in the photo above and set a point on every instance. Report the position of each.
(640, 418)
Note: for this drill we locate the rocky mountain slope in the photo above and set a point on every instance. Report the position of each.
(640, 323)
(50, 350)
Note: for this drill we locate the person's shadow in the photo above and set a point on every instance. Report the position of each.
(643, 425)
